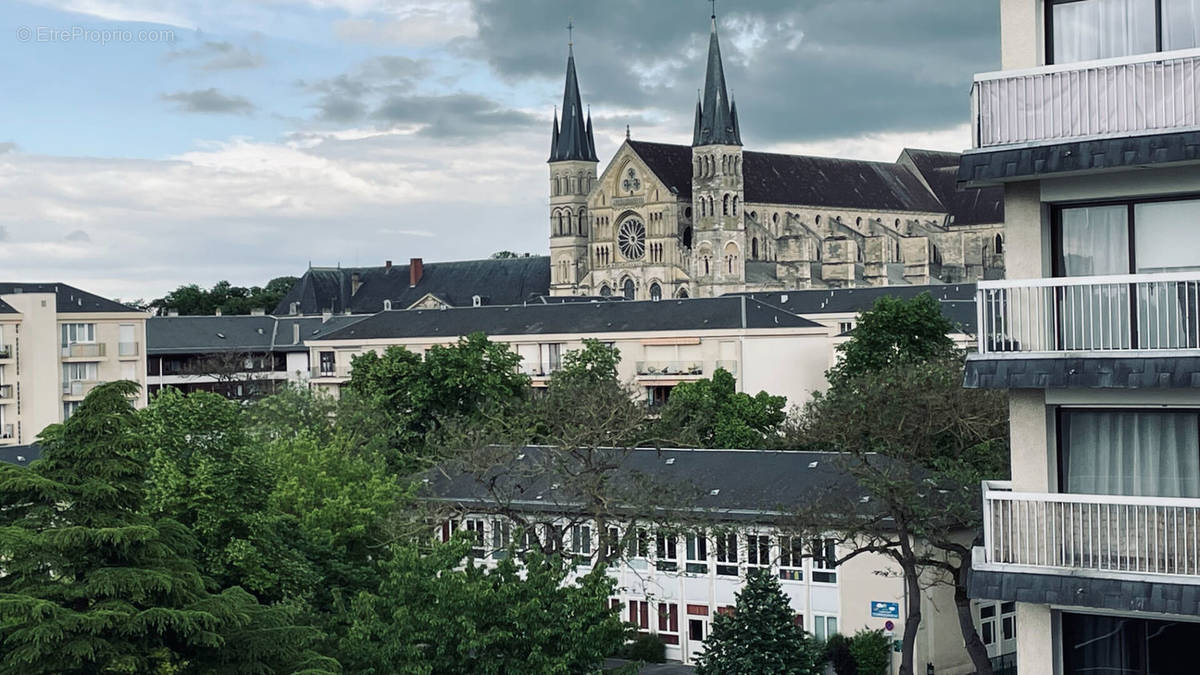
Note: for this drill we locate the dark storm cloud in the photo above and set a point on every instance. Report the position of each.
(799, 69)
(209, 101)
(461, 116)
(347, 97)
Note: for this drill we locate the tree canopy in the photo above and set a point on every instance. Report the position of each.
(894, 332)
(712, 413)
(194, 300)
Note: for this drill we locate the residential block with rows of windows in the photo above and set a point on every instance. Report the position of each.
(1093, 129)
(57, 343)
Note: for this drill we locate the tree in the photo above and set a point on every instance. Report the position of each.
(919, 445)
(711, 413)
(894, 332)
(871, 650)
(92, 584)
(193, 300)
(760, 636)
(432, 616)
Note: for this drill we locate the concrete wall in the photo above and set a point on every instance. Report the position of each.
(786, 366)
(1021, 34)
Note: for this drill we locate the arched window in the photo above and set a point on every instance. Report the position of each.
(999, 244)
(687, 237)
(775, 218)
(682, 293)
(582, 221)
(655, 292)
(605, 291)
(387, 305)
(858, 221)
(754, 248)
(560, 222)
(705, 265)
(712, 207)
(725, 205)
(735, 204)
(817, 220)
(627, 289)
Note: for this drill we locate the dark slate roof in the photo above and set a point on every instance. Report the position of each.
(957, 300)
(574, 141)
(739, 483)
(585, 318)
(211, 334)
(815, 181)
(1122, 595)
(983, 167)
(6, 308)
(716, 122)
(21, 455)
(68, 299)
(497, 282)
(988, 371)
(967, 206)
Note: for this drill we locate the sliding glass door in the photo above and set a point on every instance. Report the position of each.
(1134, 453)
(1122, 645)
(1084, 30)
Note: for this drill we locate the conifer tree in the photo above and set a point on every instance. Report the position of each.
(760, 636)
(90, 584)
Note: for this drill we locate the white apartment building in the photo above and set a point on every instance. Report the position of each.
(57, 342)
(1093, 129)
(682, 566)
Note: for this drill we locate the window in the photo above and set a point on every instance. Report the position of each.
(1151, 453)
(605, 291)
(501, 535)
(612, 544)
(727, 554)
(667, 552)
(639, 543)
(687, 237)
(655, 292)
(725, 205)
(553, 537)
(581, 540)
(844, 327)
(627, 289)
(551, 356)
(80, 372)
(754, 248)
(449, 527)
(328, 361)
(75, 333)
(69, 408)
(1131, 646)
(697, 553)
(824, 560)
(639, 614)
(529, 539)
(668, 622)
(1082, 30)
(758, 550)
(824, 627)
(475, 527)
(791, 558)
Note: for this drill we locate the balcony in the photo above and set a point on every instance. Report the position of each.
(669, 368)
(127, 349)
(7, 391)
(543, 369)
(83, 350)
(6, 352)
(1128, 96)
(80, 388)
(1103, 536)
(1151, 313)
(338, 371)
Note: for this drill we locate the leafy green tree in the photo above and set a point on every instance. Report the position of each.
(711, 413)
(193, 300)
(760, 636)
(894, 332)
(204, 471)
(92, 584)
(872, 651)
(432, 616)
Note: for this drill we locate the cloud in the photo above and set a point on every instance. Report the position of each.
(78, 235)
(3, 233)
(209, 101)
(452, 115)
(218, 55)
(7, 147)
(347, 97)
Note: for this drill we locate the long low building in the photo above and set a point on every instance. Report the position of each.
(680, 559)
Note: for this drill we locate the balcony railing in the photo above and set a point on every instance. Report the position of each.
(1120, 313)
(668, 368)
(6, 351)
(543, 369)
(83, 350)
(1098, 535)
(127, 349)
(326, 371)
(6, 391)
(6, 431)
(80, 387)
(1147, 93)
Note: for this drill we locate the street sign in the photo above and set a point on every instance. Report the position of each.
(885, 610)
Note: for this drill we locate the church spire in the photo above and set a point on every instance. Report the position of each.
(574, 140)
(715, 121)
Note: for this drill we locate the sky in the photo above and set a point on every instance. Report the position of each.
(146, 144)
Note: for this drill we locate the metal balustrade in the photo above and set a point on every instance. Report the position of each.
(127, 349)
(326, 371)
(83, 350)
(539, 369)
(669, 368)
(80, 387)
(1146, 93)
(1105, 535)
(1129, 312)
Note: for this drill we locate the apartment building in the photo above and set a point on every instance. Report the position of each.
(57, 342)
(1093, 129)
(683, 558)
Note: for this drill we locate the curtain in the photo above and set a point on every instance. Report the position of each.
(1166, 239)
(1151, 453)
(1101, 29)
(1101, 644)
(1095, 241)
(1181, 24)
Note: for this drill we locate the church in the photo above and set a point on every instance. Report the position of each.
(664, 220)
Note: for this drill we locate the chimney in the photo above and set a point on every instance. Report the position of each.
(415, 270)
(387, 266)
(355, 283)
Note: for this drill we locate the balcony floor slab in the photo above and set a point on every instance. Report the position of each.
(1077, 372)
(1085, 592)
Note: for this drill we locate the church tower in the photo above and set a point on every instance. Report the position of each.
(718, 190)
(572, 174)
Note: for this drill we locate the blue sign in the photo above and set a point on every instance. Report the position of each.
(885, 610)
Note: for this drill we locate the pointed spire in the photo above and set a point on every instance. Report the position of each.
(737, 130)
(717, 124)
(554, 136)
(699, 116)
(591, 139)
(572, 141)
